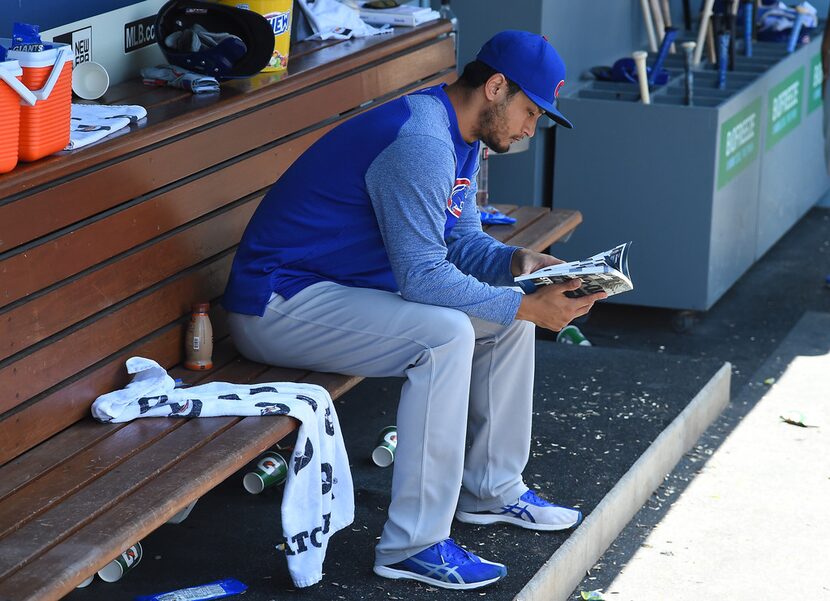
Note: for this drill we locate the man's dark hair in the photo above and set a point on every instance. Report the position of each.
(476, 74)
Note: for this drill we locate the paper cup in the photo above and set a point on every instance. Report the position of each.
(572, 335)
(384, 453)
(86, 582)
(122, 564)
(270, 469)
(90, 80)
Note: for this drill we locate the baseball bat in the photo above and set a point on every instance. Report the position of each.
(755, 20)
(640, 61)
(689, 49)
(733, 32)
(667, 20)
(710, 43)
(748, 12)
(687, 15)
(668, 40)
(705, 16)
(723, 59)
(792, 42)
(657, 15)
(652, 38)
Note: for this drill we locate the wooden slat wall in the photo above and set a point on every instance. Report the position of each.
(103, 262)
(106, 187)
(174, 112)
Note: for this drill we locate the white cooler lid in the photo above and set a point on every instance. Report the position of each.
(12, 67)
(44, 58)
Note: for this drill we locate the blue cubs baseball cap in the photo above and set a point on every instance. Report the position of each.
(531, 62)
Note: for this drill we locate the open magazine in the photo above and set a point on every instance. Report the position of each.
(606, 271)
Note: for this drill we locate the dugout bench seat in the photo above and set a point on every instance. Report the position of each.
(103, 251)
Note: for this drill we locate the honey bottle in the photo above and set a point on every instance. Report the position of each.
(198, 346)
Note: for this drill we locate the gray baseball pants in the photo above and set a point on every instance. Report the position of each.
(464, 377)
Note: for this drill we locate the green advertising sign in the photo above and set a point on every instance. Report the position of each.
(740, 140)
(816, 81)
(784, 112)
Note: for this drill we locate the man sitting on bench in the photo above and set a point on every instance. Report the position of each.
(367, 257)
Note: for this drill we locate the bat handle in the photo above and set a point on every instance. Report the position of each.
(652, 38)
(748, 12)
(688, 49)
(706, 14)
(668, 40)
(796, 31)
(723, 59)
(640, 61)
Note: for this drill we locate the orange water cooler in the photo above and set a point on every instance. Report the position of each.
(44, 126)
(12, 94)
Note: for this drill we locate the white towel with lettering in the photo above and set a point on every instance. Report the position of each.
(319, 497)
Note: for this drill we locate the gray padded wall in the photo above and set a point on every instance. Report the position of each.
(586, 32)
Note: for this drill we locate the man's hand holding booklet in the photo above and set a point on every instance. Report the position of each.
(606, 271)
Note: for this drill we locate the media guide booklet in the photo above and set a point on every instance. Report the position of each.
(604, 272)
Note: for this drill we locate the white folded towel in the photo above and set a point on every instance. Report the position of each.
(331, 19)
(319, 495)
(92, 122)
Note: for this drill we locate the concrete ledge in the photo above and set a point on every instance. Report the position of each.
(563, 572)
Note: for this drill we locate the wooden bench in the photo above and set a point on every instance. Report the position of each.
(102, 252)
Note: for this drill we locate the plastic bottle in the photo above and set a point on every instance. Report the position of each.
(198, 346)
(482, 184)
(447, 13)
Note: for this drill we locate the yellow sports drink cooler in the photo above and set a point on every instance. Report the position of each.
(47, 75)
(278, 13)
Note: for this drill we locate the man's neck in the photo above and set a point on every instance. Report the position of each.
(466, 111)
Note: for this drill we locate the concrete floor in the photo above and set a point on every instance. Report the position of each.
(735, 536)
(743, 517)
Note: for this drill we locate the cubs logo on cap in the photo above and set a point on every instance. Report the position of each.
(531, 62)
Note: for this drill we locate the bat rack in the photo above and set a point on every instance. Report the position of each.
(703, 191)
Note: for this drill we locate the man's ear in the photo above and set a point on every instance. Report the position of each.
(494, 86)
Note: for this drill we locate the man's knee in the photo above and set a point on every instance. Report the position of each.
(526, 329)
(449, 327)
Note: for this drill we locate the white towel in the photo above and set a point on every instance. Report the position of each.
(92, 122)
(331, 19)
(319, 496)
(177, 77)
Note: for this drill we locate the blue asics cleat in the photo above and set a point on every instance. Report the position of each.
(528, 511)
(446, 565)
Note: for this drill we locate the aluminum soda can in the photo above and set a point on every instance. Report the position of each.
(572, 335)
(270, 469)
(384, 453)
(122, 564)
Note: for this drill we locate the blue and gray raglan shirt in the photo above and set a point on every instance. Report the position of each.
(385, 200)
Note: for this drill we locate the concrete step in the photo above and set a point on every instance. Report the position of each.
(562, 573)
